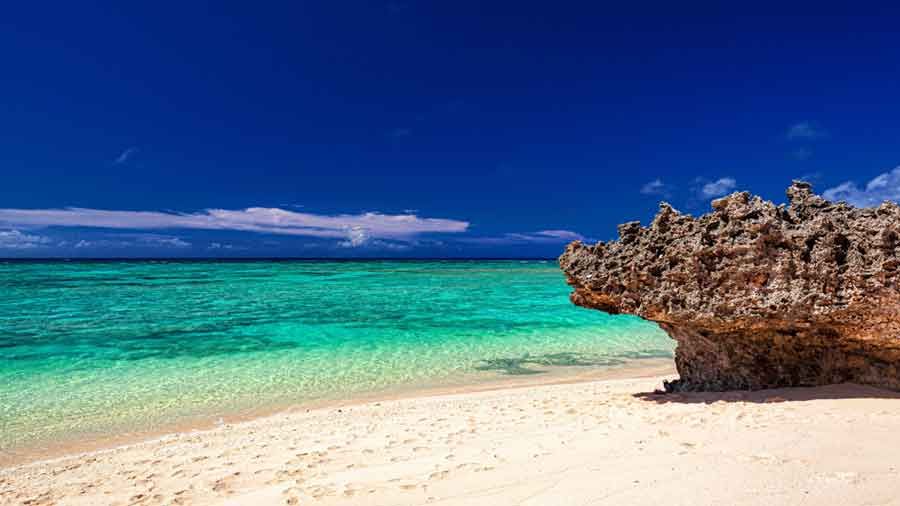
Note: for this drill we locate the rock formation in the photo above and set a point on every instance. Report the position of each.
(758, 295)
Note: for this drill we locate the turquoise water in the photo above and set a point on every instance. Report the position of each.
(88, 349)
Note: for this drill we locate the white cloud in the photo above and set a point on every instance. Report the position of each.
(224, 246)
(805, 130)
(356, 236)
(133, 240)
(718, 188)
(566, 235)
(162, 241)
(883, 187)
(655, 187)
(395, 246)
(811, 177)
(377, 244)
(539, 237)
(15, 239)
(125, 156)
(355, 229)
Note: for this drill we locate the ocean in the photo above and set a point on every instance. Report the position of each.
(92, 349)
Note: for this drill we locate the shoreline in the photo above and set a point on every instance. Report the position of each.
(611, 441)
(631, 369)
(605, 441)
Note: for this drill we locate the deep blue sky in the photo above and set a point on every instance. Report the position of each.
(512, 117)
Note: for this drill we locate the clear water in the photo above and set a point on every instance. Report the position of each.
(88, 349)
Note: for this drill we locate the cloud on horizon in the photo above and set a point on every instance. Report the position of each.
(883, 187)
(356, 236)
(16, 239)
(120, 241)
(352, 229)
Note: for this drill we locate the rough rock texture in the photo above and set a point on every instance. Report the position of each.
(758, 295)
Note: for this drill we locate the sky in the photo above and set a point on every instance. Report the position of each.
(425, 129)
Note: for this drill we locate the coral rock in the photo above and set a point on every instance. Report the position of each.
(758, 295)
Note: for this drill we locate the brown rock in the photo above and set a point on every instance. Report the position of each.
(758, 295)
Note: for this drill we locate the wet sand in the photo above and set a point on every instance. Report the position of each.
(481, 382)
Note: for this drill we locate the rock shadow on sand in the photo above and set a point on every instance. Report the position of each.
(774, 395)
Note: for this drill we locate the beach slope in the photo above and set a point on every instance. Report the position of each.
(600, 442)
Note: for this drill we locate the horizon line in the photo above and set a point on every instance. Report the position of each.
(257, 259)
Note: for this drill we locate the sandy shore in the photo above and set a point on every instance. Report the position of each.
(597, 442)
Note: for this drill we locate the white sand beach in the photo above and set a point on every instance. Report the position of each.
(597, 442)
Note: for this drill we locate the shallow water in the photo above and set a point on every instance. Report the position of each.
(90, 349)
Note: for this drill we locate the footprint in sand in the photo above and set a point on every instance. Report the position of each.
(439, 475)
(320, 492)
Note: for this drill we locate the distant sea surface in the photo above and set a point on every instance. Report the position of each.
(89, 349)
